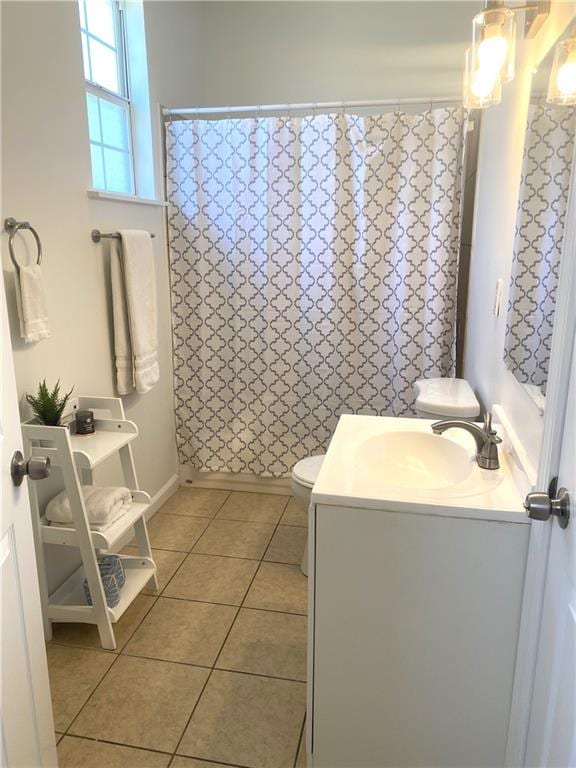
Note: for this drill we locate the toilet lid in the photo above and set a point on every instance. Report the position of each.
(306, 470)
(446, 397)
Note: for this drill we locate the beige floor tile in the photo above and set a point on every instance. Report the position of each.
(213, 579)
(74, 674)
(266, 643)
(175, 531)
(279, 587)
(195, 502)
(142, 703)
(295, 515)
(302, 760)
(167, 563)
(253, 507)
(247, 720)
(182, 630)
(87, 634)
(235, 539)
(189, 762)
(287, 545)
(74, 752)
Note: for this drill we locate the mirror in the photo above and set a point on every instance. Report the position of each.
(540, 220)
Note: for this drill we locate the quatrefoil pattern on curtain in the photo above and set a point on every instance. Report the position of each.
(313, 273)
(540, 222)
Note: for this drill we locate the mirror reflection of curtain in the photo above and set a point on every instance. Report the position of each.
(540, 220)
(313, 270)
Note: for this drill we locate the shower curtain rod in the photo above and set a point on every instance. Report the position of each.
(341, 105)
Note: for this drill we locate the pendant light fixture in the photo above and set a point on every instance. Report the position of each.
(490, 61)
(482, 86)
(562, 84)
(494, 42)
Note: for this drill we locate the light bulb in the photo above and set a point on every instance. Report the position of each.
(483, 83)
(493, 49)
(566, 77)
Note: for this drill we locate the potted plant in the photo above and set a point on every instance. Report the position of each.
(47, 406)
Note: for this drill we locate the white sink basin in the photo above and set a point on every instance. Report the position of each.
(416, 460)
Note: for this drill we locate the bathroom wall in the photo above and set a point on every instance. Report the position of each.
(46, 174)
(498, 179)
(222, 53)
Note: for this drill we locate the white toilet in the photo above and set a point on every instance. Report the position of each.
(440, 398)
(445, 398)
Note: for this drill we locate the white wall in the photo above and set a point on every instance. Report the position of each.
(46, 172)
(223, 53)
(498, 180)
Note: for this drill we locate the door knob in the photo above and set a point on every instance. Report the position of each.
(37, 468)
(543, 506)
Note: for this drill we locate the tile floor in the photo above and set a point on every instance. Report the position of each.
(211, 669)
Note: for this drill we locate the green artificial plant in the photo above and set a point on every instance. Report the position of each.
(48, 406)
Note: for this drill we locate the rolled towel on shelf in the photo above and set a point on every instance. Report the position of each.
(104, 505)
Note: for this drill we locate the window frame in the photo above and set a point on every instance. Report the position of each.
(121, 100)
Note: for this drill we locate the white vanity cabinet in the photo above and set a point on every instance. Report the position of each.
(414, 622)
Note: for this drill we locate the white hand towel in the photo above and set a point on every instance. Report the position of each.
(135, 312)
(31, 303)
(102, 505)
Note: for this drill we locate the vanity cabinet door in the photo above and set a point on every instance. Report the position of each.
(415, 625)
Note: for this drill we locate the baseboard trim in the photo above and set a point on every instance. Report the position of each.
(230, 481)
(161, 497)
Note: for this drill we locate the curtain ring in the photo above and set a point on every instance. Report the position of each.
(13, 226)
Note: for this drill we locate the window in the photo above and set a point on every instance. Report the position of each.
(103, 33)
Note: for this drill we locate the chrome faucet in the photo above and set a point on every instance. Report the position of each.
(486, 438)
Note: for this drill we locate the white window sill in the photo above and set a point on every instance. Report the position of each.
(101, 195)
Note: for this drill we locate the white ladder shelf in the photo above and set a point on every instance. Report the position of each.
(77, 456)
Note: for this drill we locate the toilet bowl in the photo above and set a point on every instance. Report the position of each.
(303, 477)
(439, 398)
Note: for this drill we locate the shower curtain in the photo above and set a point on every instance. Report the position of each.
(313, 273)
(540, 220)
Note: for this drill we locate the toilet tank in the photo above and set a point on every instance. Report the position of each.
(444, 398)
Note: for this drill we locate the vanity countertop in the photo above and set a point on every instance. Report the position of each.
(352, 477)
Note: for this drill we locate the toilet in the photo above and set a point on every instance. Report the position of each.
(445, 398)
(302, 480)
(440, 398)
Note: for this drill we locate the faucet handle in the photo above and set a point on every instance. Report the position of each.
(489, 429)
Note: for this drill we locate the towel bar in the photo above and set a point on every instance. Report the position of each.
(96, 235)
(13, 226)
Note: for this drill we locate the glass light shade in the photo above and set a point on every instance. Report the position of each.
(482, 86)
(562, 85)
(494, 42)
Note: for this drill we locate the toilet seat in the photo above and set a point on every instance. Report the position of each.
(306, 470)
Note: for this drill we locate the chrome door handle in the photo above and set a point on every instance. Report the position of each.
(37, 468)
(541, 506)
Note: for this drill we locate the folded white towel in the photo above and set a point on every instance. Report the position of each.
(31, 304)
(120, 512)
(135, 312)
(103, 505)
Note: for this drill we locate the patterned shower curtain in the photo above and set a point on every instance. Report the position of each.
(540, 221)
(313, 273)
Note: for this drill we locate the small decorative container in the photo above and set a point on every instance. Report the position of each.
(85, 422)
(111, 591)
(113, 579)
(111, 565)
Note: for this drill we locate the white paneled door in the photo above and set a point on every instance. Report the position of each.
(552, 730)
(27, 725)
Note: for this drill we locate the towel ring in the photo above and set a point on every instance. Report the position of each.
(13, 226)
